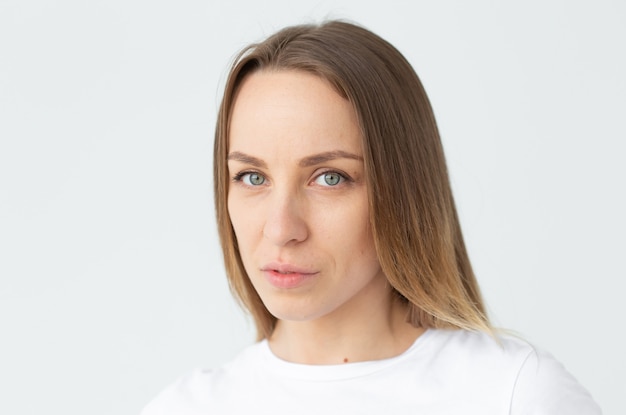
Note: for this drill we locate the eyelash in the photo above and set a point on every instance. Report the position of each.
(346, 179)
(239, 176)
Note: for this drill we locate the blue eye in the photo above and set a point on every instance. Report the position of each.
(329, 179)
(251, 179)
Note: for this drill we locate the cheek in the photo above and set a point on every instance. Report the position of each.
(348, 229)
(364, 240)
(247, 222)
(365, 243)
(237, 215)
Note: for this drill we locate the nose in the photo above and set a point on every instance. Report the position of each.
(285, 222)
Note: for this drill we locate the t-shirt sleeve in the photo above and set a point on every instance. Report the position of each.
(544, 387)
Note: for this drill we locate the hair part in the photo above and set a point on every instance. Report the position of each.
(414, 221)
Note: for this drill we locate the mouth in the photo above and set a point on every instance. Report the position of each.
(286, 269)
(285, 276)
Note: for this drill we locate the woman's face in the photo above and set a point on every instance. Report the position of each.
(298, 198)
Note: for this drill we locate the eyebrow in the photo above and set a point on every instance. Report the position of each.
(327, 156)
(305, 162)
(247, 159)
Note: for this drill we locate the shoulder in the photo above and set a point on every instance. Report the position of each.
(544, 386)
(195, 392)
(186, 396)
(473, 362)
(497, 352)
(531, 379)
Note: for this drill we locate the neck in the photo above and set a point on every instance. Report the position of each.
(378, 331)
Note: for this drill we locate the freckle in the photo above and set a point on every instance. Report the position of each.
(345, 360)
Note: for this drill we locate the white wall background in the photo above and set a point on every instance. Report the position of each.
(111, 282)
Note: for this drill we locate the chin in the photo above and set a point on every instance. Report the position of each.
(293, 312)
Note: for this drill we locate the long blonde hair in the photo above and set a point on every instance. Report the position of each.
(412, 213)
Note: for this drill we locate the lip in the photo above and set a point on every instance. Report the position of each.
(286, 275)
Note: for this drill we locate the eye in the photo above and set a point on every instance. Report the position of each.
(330, 178)
(250, 178)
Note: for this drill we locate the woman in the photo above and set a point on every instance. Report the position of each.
(340, 237)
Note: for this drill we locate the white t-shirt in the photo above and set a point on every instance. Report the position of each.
(445, 372)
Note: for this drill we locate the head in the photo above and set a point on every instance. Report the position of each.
(411, 213)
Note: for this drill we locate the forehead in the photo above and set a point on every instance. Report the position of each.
(294, 109)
